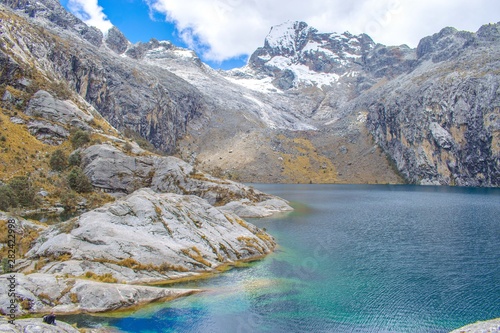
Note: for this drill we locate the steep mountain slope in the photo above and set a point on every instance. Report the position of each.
(52, 43)
(308, 107)
(258, 131)
(434, 110)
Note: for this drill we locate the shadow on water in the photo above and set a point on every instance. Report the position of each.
(50, 217)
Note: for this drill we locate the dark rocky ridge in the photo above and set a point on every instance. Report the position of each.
(149, 101)
(441, 122)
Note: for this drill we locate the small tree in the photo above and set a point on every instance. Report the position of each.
(69, 200)
(79, 138)
(127, 147)
(58, 160)
(23, 190)
(75, 159)
(78, 181)
(7, 198)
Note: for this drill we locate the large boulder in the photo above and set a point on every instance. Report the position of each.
(48, 132)
(149, 237)
(44, 105)
(114, 171)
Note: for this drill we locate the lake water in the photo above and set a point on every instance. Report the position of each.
(353, 259)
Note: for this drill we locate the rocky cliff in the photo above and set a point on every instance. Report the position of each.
(434, 110)
(440, 121)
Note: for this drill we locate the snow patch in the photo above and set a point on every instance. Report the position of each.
(163, 52)
(313, 46)
(362, 116)
(263, 85)
(265, 57)
(280, 62)
(308, 77)
(282, 36)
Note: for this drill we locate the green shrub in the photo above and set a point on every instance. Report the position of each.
(69, 200)
(78, 181)
(127, 147)
(79, 138)
(75, 159)
(58, 160)
(7, 198)
(23, 190)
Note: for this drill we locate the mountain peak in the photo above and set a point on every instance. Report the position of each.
(294, 53)
(288, 36)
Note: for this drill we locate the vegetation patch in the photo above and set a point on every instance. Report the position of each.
(106, 277)
(25, 238)
(305, 163)
(195, 254)
(135, 265)
(251, 242)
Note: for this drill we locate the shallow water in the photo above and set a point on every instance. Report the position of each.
(352, 258)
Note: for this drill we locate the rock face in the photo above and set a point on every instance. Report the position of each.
(297, 55)
(61, 47)
(116, 41)
(434, 110)
(44, 105)
(43, 293)
(441, 121)
(489, 326)
(147, 237)
(112, 170)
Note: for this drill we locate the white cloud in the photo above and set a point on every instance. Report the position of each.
(90, 13)
(222, 29)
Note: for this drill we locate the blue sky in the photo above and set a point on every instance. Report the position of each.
(224, 33)
(139, 24)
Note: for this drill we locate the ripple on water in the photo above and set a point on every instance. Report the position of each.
(358, 259)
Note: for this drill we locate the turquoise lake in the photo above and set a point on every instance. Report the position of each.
(352, 258)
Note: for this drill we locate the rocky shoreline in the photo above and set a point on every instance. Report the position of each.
(488, 326)
(101, 260)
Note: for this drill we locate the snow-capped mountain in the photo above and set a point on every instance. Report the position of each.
(297, 55)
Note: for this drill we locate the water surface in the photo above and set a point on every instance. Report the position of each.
(353, 259)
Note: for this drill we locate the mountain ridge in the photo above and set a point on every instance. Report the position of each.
(307, 87)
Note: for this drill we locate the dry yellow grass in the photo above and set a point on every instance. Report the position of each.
(21, 153)
(306, 163)
(195, 254)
